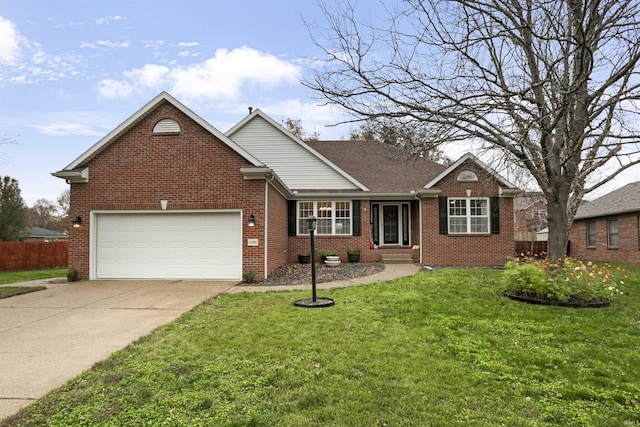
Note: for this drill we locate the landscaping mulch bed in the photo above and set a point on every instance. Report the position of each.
(295, 274)
(531, 299)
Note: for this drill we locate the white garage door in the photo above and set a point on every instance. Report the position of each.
(202, 245)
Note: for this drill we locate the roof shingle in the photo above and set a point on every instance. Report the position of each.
(383, 168)
(623, 200)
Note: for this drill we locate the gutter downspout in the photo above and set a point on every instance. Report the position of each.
(420, 226)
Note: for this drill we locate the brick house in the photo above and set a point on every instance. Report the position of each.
(608, 228)
(530, 215)
(166, 195)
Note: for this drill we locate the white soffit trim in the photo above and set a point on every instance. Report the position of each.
(257, 112)
(141, 113)
(460, 161)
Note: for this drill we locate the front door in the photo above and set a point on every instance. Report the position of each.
(390, 225)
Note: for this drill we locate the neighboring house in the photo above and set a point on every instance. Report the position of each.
(166, 195)
(608, 228)
(39, 234)
(530, 215)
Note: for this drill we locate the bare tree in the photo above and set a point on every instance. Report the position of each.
(401, 135)
(43, 214)
(552, 85)
(295, 127)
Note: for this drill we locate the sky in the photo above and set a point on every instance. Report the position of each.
(73, 70)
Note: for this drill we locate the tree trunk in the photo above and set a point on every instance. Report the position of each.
(558, 230)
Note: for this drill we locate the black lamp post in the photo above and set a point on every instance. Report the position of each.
(312, 222)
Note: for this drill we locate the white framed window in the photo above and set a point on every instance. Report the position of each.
(468, 215)
(542, 214)
(334, 218)
(612, 232)
(591, 234)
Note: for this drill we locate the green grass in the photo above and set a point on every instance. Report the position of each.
(11, 291)
(25, 276)
(434, 349)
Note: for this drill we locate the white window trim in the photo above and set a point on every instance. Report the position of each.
(333, 216)
(469, 216)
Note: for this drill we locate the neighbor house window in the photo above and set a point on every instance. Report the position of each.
(542, 214)
(591, 234)
(467, 215)
(333, 217)
(614, 238)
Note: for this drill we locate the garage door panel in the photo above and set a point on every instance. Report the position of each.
(169, 245)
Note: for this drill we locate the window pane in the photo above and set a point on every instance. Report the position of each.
(343, 218)
(479, 225)
(324, 226)
(457, 207)
(458, 225)
(305, 209)
(613, 233)
(591, 234)
(478, 207)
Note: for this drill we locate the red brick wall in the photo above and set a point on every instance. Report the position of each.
(466, 249)
(628, 251)
(192, 170)
(278, 244)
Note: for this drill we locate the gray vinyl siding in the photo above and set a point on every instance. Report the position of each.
(294, 164)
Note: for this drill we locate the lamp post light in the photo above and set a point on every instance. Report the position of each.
(312, 223)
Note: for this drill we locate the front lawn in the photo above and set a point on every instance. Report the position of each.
(25, 276)
(438, 348)
(11, 291)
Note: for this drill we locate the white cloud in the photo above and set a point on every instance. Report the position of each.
(188, 44)
(109, 43)
(107, 19)
(114, 89)
(67, 128)
(222, 76)
(10, 41)
(151, 75)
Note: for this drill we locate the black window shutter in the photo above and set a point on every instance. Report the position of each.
(495, 215)
(291, 215)
(443, 210)
(355, 211)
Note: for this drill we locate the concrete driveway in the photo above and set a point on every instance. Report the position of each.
(50, 336)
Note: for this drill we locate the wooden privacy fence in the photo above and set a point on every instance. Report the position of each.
(531, 248)
(17, 256)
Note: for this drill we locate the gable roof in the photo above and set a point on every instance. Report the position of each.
(78, 166)
(508, 190)
(44, 233)
(383, 168)
(295, 161)
(623, 200)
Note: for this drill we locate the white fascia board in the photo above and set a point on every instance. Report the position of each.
(509, 192)
(258, 112)
(141, 113)
(267, 174)
(73, 176)
(297, 195)
(461, 160)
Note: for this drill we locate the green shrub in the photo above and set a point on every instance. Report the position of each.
(327, 252)
(72, 275)
(572, 280)
(249, 276)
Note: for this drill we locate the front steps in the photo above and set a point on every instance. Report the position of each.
(397, 259)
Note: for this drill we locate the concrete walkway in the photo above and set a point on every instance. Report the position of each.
(50, 336)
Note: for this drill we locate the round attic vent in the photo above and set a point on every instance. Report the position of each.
(166, 126)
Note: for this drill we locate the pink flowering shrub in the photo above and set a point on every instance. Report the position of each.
(571, 281)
